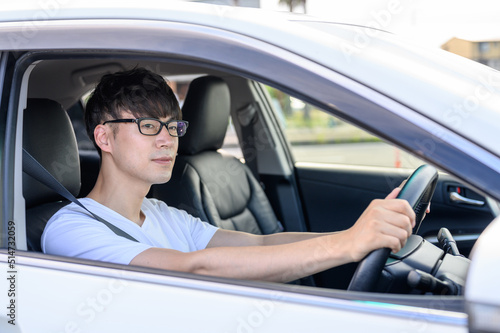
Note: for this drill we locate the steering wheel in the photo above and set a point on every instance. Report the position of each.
(418, 191)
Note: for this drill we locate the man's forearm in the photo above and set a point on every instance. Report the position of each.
(290, 237)
(276, 263)
(229, 238)
(279, 263)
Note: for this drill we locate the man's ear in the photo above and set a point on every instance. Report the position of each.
(101, 137)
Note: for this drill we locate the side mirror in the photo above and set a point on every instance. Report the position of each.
(482, 287)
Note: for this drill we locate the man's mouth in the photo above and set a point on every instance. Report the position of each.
(163, 160)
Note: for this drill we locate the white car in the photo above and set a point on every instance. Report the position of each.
(313, 105)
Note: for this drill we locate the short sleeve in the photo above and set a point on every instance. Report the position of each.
(199, 232)
(73, 234)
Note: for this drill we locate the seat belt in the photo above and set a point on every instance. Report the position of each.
(33, 168)
(247, 117)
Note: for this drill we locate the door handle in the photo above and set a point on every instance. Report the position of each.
(455, 197)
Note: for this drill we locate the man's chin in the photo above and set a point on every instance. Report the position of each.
(161, 179)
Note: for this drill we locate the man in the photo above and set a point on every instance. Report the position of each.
(133, 119)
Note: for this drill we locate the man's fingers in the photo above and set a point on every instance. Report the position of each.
(398, 236)
(400, 223)
(385, 223)
(394, 224)
(392, 243)
(397, 206)
(394, 193)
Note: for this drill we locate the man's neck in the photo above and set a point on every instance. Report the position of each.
(121, 197)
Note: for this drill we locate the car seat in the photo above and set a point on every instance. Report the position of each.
(49, 137)
(215, 187)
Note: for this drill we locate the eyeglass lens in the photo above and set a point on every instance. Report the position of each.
(153, 127)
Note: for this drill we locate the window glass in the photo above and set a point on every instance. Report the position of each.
(316, 136)
(484, 47)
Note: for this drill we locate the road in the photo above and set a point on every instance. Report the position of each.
(366, 153)
(363, 153)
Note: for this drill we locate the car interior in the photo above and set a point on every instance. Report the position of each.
(55, 103)
(263, 191)
(214, 187)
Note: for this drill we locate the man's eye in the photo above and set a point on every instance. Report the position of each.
(148, 126)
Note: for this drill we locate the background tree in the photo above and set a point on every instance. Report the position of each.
(286, 104)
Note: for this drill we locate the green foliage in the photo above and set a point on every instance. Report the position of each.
(322, 128)
(305, 124)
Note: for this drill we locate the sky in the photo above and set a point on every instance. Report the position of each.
(427, 22)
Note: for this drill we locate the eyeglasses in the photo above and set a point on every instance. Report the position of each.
(153, 126)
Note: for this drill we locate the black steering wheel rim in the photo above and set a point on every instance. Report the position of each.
(418, 191)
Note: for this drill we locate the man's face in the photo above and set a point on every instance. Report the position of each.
(142, 158)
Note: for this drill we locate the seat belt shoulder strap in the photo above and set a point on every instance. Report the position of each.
(33, 168)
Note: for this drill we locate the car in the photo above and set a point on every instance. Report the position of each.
(325, 116)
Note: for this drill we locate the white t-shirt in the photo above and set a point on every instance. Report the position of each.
(73, 232)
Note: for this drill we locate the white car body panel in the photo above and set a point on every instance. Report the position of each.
(113, 300)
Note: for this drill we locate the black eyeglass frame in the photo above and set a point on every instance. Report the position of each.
(162, 123)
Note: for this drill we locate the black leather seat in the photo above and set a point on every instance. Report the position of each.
(49, 137)
(214, 187)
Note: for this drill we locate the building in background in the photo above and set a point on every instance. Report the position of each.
(484, 51)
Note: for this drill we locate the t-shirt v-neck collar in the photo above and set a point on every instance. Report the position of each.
(121, 217)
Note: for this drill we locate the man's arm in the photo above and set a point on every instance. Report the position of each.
(385, 223)
(224, 238)
(279, 263)
(235, 238)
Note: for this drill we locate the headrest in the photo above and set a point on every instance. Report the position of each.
(49, 137)
(206, 107)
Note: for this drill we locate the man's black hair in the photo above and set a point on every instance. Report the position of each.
(139, 91)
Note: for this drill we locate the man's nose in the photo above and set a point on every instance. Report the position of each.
(164, 136)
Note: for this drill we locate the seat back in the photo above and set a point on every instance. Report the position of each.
(214, 187)
(49, 137)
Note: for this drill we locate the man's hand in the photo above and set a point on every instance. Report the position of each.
(384, 223)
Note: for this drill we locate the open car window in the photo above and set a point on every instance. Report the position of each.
(316, 136)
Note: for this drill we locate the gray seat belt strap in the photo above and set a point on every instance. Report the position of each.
(33, 168)
(247, 116)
